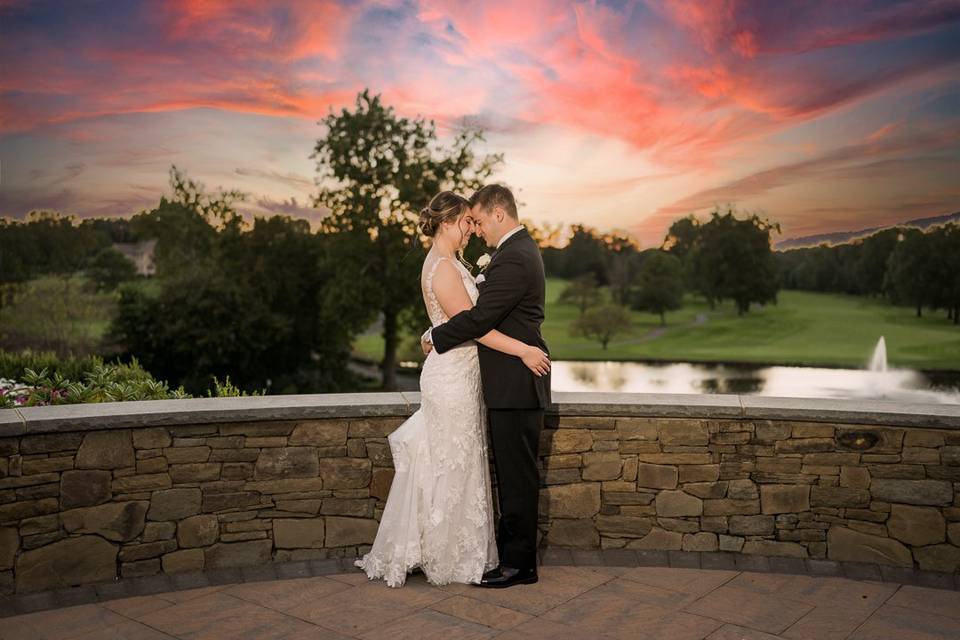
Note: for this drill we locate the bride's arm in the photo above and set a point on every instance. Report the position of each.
(453, 298)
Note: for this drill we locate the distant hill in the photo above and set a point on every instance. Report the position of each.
(841, 237)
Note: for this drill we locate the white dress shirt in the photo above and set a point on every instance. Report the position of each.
(508, 234)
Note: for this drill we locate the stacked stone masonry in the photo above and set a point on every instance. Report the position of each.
(773, 488)
(91, 506)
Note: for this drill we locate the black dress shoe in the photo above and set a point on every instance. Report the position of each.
(493, 573)
(503, 577)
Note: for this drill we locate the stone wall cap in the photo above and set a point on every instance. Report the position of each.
(856, 411)
(147, 413)
(678, 405)
(12, 423)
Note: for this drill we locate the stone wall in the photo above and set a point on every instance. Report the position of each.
(88, 507)
(89, 498)
(880, 495)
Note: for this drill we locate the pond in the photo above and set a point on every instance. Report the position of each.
(904, 385)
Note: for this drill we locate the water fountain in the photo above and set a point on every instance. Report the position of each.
(878, 361)
(882, 382)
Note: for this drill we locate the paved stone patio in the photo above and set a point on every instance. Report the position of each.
(569, 602)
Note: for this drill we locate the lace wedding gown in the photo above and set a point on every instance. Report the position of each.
(439, 512)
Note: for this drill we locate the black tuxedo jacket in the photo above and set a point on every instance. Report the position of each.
(511, 300)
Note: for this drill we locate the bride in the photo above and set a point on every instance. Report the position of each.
(439, 512)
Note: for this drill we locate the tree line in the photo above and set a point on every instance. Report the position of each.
(906, 265)
(725, 257)
(729, 258)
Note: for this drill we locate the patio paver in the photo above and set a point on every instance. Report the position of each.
(569, 602)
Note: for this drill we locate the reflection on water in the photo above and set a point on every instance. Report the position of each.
(811, 382)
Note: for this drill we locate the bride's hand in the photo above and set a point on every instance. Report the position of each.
(536, 360)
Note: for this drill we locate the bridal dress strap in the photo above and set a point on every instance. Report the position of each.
(436, 311)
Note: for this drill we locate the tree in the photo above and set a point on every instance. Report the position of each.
(911, 274)
(108, 268)
(115, 229)
(184, 237)
(681, 237)
(946, 239)
(732, 259)
(204, 323)
(812, 269)
(47, 242)
(872, 263)
(660, 284)
(622, 269)
(602, 323)
(219, 211)
(186, 225)
(545, 234)
(585, 254)
(60, 246)
(680, 241)
(245, 302)
(582, 292)
(621, 263)
(375, 170)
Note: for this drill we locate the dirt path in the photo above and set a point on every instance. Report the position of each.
(653, 334)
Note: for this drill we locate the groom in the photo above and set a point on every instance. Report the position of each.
(511, 300)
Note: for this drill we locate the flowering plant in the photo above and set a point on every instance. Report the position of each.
(483, 261)
(12, 393)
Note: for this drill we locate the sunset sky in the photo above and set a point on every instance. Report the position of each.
(823, 115)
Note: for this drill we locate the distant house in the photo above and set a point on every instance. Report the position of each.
(140, 254)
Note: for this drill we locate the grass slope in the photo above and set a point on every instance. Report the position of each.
(802, 329)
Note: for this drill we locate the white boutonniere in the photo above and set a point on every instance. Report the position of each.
(482, 262)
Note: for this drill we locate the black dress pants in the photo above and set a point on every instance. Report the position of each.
(515, 434)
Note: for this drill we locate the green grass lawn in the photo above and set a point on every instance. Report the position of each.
(57, 313)
(803, 329)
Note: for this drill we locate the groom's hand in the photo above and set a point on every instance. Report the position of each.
(426, 343)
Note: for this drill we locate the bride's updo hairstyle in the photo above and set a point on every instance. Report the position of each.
(446, 205)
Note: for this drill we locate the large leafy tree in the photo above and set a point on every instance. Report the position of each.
(660, 284)
(733, 259)
(375, 171)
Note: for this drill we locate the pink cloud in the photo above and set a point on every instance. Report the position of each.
(693, 88)
(541, 61)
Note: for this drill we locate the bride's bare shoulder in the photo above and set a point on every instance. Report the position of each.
(444, 270)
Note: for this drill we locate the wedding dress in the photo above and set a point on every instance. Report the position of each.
(439, 512)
